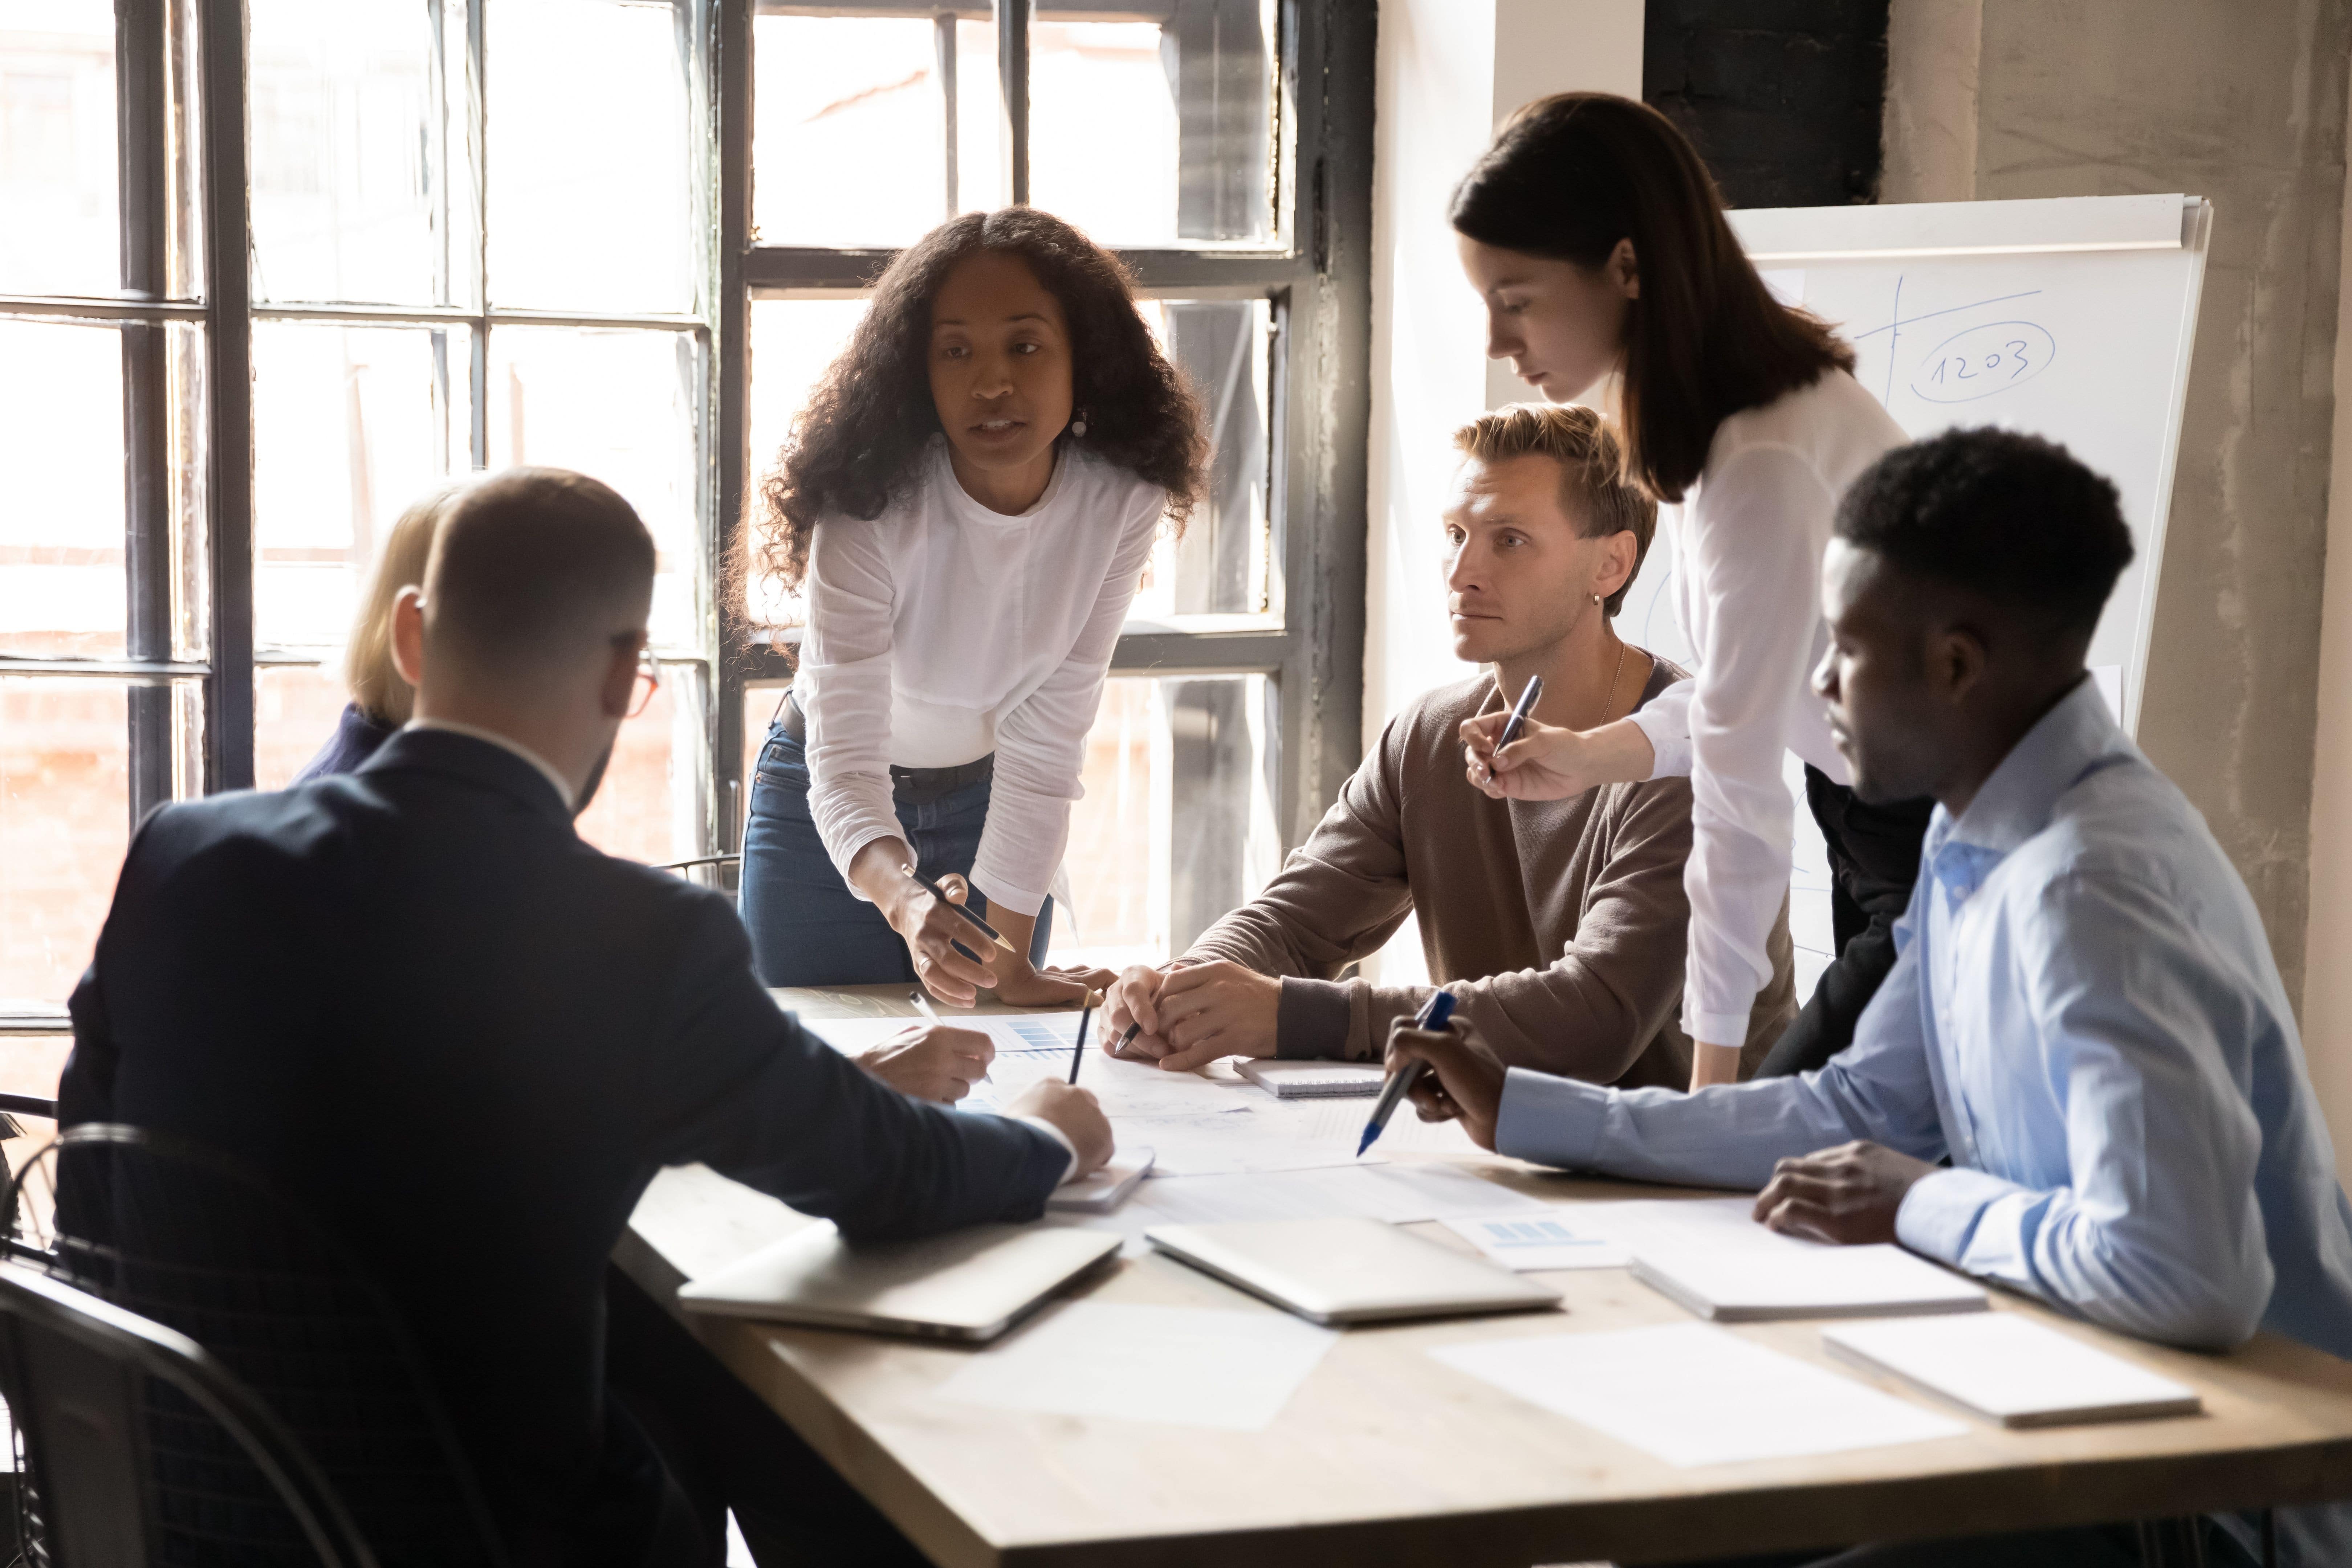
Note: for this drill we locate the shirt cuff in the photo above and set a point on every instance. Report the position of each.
(1716, 1028)
(1551, 1120)
(1069, 1149)
(998, 892)
(1311, 1019)
(1938, 1216)
(1669, 742)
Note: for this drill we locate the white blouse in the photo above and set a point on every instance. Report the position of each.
(941, 631)
(1749, 592)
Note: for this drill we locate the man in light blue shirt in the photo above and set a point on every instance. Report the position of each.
(2085, 1017)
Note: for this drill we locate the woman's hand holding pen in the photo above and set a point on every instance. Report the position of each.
(1547, 763)
(952, 959)
(1465, 1082)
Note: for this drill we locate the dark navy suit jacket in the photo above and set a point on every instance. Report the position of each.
(421, 1006)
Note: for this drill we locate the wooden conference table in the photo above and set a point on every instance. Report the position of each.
(1384, 1456)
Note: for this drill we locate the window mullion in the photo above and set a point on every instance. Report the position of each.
(142, 144)
(943, 43)
(1013, 76)
(732, 432)
(477, 153)
(228, 339)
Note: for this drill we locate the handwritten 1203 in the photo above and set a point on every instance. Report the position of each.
(1983, 361)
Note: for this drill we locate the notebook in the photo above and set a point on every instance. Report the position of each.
(2011, 1369)
(970, 1285)
(1315, 1081)
(1105, 1189)
(1745, 1285)
(1349, 1271)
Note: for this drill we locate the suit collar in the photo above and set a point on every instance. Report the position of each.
(483, 764)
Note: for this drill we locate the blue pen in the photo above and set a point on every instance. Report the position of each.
(1433, 1014)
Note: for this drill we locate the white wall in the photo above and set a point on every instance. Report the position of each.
(1448, 71)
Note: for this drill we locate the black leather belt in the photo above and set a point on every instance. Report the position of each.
(916, 787)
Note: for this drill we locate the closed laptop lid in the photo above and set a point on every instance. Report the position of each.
(1349, 1271)
(969, 1284)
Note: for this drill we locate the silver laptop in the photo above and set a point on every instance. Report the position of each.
(969, 1285)
(1350, 1270)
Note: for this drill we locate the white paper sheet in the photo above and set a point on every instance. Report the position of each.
(1719, 1226)
(1399, 1194)
(1692, 1394)
(1175, 1366)
(1528, 1242)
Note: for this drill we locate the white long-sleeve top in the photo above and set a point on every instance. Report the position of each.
(941, 631)
(1752, 533)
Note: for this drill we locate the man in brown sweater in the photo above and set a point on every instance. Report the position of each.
(1558, 925)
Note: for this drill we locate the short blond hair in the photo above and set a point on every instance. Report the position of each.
(376, 687)
(1597, 500)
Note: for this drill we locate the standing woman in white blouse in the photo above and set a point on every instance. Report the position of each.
(966, 507)
(1597, 241)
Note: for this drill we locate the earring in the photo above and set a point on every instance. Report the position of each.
(1596, 598)
(1078, 426)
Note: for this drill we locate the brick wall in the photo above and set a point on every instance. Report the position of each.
(1782, 97)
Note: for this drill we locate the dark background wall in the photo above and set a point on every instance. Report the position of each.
(1782, 97)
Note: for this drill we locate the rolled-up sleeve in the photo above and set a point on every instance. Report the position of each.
(1757, 561)
(1041, 741)
(845, 686)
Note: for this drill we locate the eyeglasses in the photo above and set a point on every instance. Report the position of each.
(648, 682)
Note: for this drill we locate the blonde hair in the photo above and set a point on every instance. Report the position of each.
(1593, 491)
(376, 687)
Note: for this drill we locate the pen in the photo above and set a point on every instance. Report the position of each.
(1526, 705)
(933, 888)
(1094, 1000)
(1433, 1014)
(923, 1006)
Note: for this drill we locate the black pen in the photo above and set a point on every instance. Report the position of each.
(933, 888)
(1094, 999)
(1529, 698)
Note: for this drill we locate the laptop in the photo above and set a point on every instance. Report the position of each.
(1350, 1270)
(968, 1286)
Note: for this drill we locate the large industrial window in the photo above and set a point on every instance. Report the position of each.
(271, 269)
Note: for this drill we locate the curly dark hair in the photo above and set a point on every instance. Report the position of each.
(856, 446)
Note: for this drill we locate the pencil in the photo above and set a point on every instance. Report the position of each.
(933, 888)
(1094, 1000)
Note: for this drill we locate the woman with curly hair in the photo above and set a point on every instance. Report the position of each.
(966, 506)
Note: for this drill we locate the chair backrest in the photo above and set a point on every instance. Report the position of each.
(193, 1240)
(82, 1377)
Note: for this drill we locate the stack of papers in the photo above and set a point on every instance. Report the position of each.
(2011, 1369)
(1399, 1194)
(1692, 1394)
(1317, 1080)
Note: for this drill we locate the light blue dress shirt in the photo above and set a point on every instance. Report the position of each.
(2085, 1014)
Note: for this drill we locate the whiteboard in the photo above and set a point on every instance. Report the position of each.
(2071, 319)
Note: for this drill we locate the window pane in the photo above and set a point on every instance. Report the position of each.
(618, 406)
(1143, 133)
(349, 425)
(649, 805)
(1177, 824)
(296, 708)
(792, 343)
(350, 155)
(61, 534)
(850, 141)
(1224, 563)
(57, 173)
(591, 177)
(65, 821)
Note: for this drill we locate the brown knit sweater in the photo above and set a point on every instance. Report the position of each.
(1558, 925)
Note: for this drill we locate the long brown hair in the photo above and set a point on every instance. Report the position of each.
(855, 448)
(1571, 176)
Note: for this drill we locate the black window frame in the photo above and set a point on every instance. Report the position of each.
(1316, 273)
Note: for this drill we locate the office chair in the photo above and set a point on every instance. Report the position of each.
(83, 1379)
(189, 1239)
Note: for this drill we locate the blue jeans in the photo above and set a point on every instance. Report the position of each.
(807, 928)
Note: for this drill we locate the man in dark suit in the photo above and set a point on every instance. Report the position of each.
(415, 999)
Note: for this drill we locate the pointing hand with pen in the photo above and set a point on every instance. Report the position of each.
(1462, 1081)
(957, 950)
